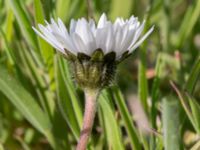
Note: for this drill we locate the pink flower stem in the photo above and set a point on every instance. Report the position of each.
(88, 120)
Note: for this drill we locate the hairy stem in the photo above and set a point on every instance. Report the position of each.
(89, 115)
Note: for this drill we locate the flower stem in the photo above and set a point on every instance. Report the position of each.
(89, 115)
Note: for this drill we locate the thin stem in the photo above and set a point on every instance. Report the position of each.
(89, 115)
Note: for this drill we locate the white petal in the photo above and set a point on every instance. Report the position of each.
(50, 41)
(118, 39)
(78, 42)
(142, 39)
(102, 21)
(104, 39)
(62, 27)
(92, 27)
(72, 26)
(137, 34)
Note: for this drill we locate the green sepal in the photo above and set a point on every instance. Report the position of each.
(68, 55)
(125, 55)
(110, 57)
(97, 55)
(81, 57)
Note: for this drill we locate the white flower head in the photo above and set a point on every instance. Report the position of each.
(86, 37)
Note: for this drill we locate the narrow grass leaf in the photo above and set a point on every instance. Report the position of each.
(190, 19)
(25, 103)
(64, 100)
(142, 79)
(24, 23)
(193, 77)
(184, 103)
(131, 130)
(61, 7)
(47, 101)
(69, 85)
(195, 109)
(9, 25)
(120, 8)
(112, 131)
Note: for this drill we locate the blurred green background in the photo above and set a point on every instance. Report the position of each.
(153, 105)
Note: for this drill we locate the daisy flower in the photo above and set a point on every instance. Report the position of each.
(86, 37)
(94, 51)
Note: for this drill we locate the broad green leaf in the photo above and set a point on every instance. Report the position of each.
(25, 103)
(131, 130)
(24, 23)
(111, 126)
(171, 123)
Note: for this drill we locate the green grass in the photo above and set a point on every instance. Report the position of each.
(41, 107)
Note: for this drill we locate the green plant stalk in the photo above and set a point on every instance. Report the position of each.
(171, 123)
(89, 115)
(154, 99)
(154, 92)
(142, 80)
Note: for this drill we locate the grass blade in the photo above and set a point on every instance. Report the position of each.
(194, 75)
(126, 118)
(188, 23)
(120, 8)
(111, 126)
(25, 103)
(195, 109)
(61, 7)
(64, 100)
(24, 23)
(142, 80)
